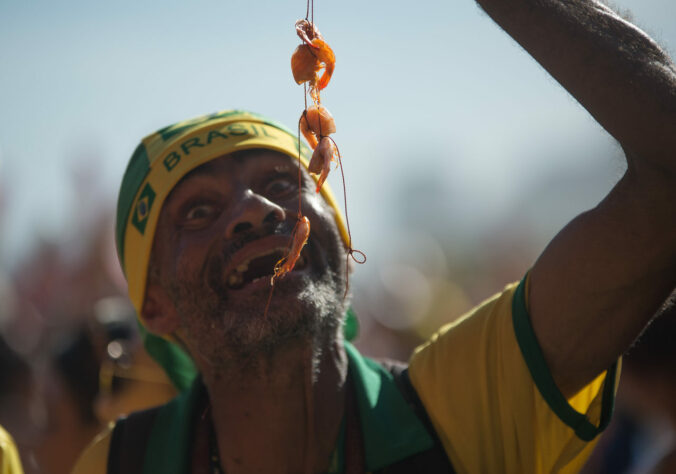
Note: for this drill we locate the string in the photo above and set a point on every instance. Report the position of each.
(300, 164)
(300, 211)
(350, 251)
(309, 408)
(310, 12)
(317, 100)
(309, 419)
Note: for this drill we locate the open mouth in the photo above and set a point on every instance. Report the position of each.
(259, 267)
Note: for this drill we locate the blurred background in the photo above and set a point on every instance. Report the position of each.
(462, 159)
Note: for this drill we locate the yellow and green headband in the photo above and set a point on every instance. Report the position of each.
(158, 164)
(164, 157)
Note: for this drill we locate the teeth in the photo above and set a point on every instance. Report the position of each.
(235, 279)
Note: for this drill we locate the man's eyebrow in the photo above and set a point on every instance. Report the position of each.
(179, 190)
(204, 170)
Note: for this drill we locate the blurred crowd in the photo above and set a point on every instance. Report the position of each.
(70, 355)
(71, 359)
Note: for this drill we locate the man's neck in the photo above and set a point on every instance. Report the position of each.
(284, 414)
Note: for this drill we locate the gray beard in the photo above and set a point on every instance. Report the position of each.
(236, 334)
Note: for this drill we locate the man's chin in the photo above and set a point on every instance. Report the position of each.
(238, 326)
(292, 298)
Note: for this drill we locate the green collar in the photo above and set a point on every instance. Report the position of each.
(390, 429)
(170, 441)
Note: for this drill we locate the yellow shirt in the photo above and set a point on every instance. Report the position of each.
(483, 395)
(94, 458)
(9, 456)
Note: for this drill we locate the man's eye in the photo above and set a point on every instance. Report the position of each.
(200, 211)
(280, 186)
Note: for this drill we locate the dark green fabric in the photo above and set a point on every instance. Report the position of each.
(176, 363)
(170, 440)
(337, 465)
(350, 325)
(535, 360)
(390, 429)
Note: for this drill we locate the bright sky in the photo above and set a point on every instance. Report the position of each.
(423, 92)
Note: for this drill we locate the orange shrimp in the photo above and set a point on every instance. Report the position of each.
(307, 31)
(315, 123)
(303, 66)
(327, 58)
(300, 236)
(321, 160)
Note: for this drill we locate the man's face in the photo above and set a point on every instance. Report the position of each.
(221, 232)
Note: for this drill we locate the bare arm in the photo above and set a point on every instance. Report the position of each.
(605, 274)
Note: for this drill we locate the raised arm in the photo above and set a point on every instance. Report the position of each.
(605, 274)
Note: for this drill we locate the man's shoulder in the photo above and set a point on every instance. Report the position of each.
(492, 317)
(9, 455)
(6, 441)
(128, 435)
(95, 457)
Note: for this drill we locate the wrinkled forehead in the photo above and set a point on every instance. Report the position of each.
(256, 160)
(242, 166)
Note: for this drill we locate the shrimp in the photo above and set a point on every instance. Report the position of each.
(327, 58)
(321, 160)
(300, 236)
(307, 31)
(304, 65)
(316, 122)
(311, 56)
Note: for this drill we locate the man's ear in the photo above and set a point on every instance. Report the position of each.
(158, 312)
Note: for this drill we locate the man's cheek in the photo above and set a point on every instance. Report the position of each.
(181, 269)
(188, 271)
(214, 275)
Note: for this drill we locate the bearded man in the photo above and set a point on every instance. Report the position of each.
(523, 383)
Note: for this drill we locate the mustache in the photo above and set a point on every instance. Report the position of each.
(234, 245)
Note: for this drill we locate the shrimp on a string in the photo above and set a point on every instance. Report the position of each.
(301, 232)
(321, 160)
(311, 56)
(316, 124)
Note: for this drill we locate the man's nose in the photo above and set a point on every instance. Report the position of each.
(253, 212)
